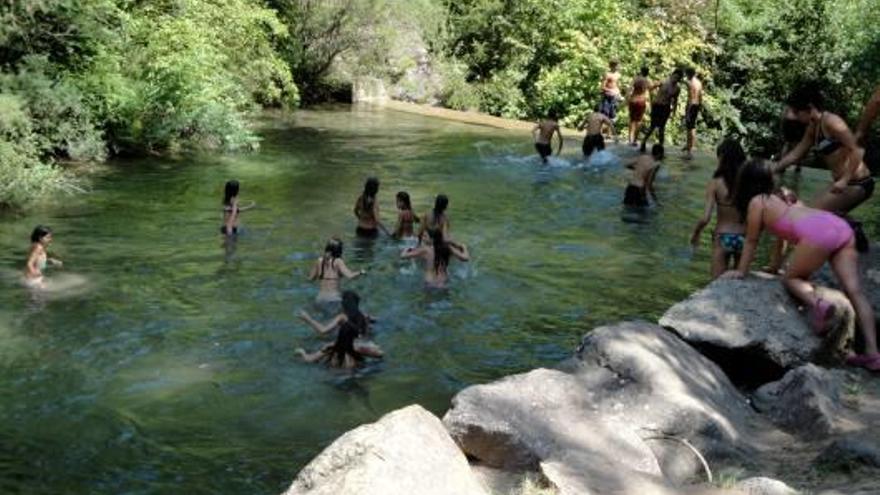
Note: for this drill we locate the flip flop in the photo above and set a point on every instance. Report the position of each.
(821, 313)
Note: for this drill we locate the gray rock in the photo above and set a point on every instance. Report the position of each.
(850, 451)
(603, 424)
(765, 486)
(806, 401)
(407, 451)
(754, 327)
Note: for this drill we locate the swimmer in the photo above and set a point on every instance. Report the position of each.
(437, 257)
(729, 235)
(435, 220)
(328, 269)
(594, 123)
(38, 258)
(818, 236)
(610, 91)
(405, 216)
(543, 132)
(339, 354)
(641, 183)
(692, 112)
(366, 209)
(663, 105)
(351, 316)
(637, 102)
(231, 208)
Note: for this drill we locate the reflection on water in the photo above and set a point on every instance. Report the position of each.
(173, 369)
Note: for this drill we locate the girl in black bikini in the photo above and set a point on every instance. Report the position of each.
(366, 209)
(231, 208)
(405, 216)
(436, 219)
(352, 340)
(437, 257)
(328, 269)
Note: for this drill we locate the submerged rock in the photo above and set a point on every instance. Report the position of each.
(765, 486)
(615, 420)
(806, 401)
(754, 329)
(406, 452)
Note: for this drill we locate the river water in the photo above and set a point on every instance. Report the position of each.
(167, 366)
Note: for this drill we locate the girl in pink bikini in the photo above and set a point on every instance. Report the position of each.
(818, 236)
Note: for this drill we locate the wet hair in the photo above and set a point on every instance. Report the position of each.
(351, 307)
(806, 95)
(368, 198)
(230, 191)
(731, 156)
(644, 72)
(553, 114)
(678, 72)
(403, 197)
(442, 252)
(658, 152)
(440, 204)
(334, 249)
(690, 72)
(754, 178)
(613, 63)
(40, 231)
(344, 346)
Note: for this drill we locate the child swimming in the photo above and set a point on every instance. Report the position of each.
(231, 208)
(437, 257)
(642, 181)
(405, 216)
(729, 236)
(351, 345)
(366, 209)
(328, 269)
(38, 258)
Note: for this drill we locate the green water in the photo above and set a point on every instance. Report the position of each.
(172, 369)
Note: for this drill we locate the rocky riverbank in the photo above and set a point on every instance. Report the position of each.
(725, 394)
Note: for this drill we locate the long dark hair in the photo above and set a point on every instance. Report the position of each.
(332, 251)
(805, 95)
(403, 197)
(351, 307)
(754, 179)
(39, 232)
(440, 205)
(731, 156)
(344, 345)
(368, 198)
(442, 251)
(230, 192)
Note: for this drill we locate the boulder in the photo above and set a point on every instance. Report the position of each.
(765, 486)
(806, 401)
(755, 330)
(407, 451)
(850, 451)
(616, 419)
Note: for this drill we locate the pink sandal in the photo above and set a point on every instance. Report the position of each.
(821, 313)
(867, 361)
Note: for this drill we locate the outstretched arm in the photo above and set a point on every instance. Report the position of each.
(317, 326)
(346, 272)
(409, 253)
(313, 357)
(559, 132)
(707, 213)
(798, 151)
(460, 251)
(649, 183)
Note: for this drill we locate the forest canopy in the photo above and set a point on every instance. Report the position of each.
(81, 80)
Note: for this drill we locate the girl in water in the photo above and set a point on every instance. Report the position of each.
(231, 208)
(818, 236)
(729, 236)
(435, 220)
(437, 257)
(328, 269)
(366, 209)
(405, 216)
(38, 259)
(351, 345)
(828, 135)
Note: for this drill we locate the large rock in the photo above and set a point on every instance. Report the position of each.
(850, 451)
(614, 421)
(754, 329)
(805, 401)
(407, 451)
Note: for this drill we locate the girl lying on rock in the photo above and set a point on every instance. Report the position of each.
(818, 236)
(351, 345)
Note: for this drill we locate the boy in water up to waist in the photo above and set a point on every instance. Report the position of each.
(543, 136)
(595, 123)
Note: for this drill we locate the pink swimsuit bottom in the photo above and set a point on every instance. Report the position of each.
(821, 229)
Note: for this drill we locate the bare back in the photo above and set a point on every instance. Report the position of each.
(727, 216)
(546, 128)
(695, 91)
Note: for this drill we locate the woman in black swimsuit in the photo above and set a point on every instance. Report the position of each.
(828, 136)
(366, 209)
(436, 219)
(231, 208)
(328, 269)
(353, 328)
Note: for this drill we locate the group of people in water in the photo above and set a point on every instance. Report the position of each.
(743, 194)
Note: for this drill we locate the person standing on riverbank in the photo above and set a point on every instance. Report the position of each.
(869, 115)
(692, 111)
(663, 106)
(543, 132)
(594, 140)
(366, 209)
(38, 258)
(610, 91)
(637, 103)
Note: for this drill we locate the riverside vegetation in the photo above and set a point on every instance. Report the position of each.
(84, 80)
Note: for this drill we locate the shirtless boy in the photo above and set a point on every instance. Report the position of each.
(663, 106)
(543, 135)
(694, 105)
(610, 90)
(594, 123)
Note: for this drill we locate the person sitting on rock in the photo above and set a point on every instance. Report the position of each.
(352, 344)
(818, 236)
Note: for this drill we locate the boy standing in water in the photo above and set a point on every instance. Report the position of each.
(694, 105)
(543, 135)
(663, 106)
(594, 140)
(641, 183)
(610, 90)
